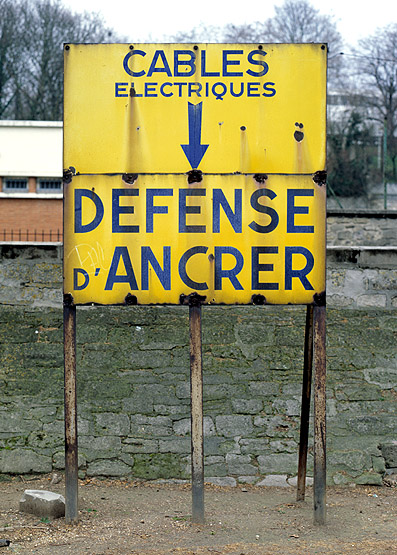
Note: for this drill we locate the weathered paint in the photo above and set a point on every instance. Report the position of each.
(136, 238)
(134, 108)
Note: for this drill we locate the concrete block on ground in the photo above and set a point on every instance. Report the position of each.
(42, 503)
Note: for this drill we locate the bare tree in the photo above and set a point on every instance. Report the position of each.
(295, 21)
(10, 54)
(244, 33)
(51, 24)
(32, 33)
(209, 33)
(376, 59)
(298, 21)
(228, 33)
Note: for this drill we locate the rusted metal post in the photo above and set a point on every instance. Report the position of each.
(71, 460)
(305, 407)
(319, 415)
(196, 396)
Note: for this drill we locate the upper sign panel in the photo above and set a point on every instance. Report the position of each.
(170, 108)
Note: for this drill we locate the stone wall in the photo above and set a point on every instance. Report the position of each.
(359, 277)
(365, 228)
(133, 378)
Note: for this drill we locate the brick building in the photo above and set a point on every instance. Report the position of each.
(30, 181)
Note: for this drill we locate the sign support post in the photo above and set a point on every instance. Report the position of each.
(196, 396)
(305, 407)
(71, 460)
(319, 492)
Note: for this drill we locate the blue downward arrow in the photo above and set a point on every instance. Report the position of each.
(194, 151)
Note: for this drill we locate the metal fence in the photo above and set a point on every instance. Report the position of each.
(34, 235)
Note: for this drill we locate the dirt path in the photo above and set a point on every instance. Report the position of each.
(153, 519)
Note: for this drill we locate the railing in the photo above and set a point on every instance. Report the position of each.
(34, 235)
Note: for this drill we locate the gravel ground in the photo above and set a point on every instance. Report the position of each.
(124, 517)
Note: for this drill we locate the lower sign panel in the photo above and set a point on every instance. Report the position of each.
(230, 238)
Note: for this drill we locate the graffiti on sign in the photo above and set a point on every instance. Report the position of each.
(227, 237)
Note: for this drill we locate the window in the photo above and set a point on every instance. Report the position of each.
(49, 185)
(15, 184)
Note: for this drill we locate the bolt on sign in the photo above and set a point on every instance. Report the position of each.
(194, 168)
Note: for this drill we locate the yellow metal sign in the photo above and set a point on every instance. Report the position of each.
(232, 239)
(166, 108)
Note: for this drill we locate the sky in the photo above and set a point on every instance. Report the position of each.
(153, 20)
